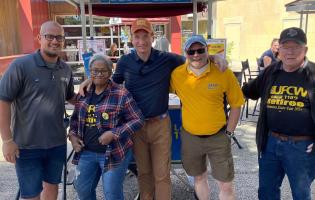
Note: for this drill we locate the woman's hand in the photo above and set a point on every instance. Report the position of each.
(77, 143)
(106, 138)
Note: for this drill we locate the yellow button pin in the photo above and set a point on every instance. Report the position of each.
(105, 116)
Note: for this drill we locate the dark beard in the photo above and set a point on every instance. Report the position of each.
(51, 55)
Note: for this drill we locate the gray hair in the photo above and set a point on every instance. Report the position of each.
(105, 59)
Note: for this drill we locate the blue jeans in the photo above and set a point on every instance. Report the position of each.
(290, 158)
(37, 165)
(90, 169)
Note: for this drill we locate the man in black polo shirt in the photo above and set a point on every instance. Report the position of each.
(286, 125)
(36, 86)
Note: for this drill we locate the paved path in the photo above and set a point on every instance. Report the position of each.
(246, 176)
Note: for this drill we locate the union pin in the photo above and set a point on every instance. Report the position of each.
(105, 116)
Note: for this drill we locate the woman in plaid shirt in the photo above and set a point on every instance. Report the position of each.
(100, 132)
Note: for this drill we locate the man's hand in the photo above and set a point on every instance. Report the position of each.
(76, 142)
(10, 151)
(106, 138)
(85, 85)
(219, 62)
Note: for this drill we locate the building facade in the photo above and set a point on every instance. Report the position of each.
(250, 26)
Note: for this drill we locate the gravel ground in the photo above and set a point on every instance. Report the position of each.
(246, 175)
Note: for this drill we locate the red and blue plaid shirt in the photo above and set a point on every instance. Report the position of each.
(117, 112)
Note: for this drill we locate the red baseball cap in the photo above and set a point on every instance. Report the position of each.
(141, 24)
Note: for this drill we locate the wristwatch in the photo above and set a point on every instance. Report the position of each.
(229, 133)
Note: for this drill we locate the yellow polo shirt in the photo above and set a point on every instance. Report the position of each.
(202, 97)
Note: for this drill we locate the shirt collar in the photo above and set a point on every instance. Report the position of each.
(151, 57)
(108, 88)
(41, 62)
(206, 69)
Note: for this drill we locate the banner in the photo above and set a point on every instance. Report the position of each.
(94, 46)
(86, 59)
(217, 47)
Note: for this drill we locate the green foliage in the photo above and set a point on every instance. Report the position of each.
(72, 20)
(230, 47)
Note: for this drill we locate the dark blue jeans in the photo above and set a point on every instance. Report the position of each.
(289, 158)
(90, 169)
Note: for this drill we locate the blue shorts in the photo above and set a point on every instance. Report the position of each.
(37, 165)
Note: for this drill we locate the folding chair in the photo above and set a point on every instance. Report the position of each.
(248, 75)
(259, 67)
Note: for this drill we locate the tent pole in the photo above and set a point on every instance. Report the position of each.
(306, 22)
(83, 22)
(195, 18)
(301, 20)
(210, 21)
(91, 20)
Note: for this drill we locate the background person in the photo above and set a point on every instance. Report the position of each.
(100, 132)
(201, 88)
(271, 55)
(286, 126)
(162, 43)
(113, 51)
(36, 86)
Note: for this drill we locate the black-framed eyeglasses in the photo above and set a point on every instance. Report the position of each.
(99, 72)
(193, 51)
(59, 38)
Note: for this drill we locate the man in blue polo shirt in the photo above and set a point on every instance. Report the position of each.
(146, 73)
(36, 86)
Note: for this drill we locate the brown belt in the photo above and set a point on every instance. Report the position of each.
(292, 138)
(157, 118)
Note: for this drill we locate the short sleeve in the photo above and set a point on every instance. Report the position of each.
(234, 93)
(12, 82)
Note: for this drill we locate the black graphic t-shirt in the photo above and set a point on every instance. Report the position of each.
(91, 133)
(288, 105)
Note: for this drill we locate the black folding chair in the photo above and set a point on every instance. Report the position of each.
(248, 75)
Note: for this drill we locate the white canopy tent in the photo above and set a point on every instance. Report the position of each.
(82, 3)
(303, 7)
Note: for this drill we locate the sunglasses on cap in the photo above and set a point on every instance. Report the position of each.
(193, 51)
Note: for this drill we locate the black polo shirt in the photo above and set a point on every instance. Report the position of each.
(149, 81)
(38, 94)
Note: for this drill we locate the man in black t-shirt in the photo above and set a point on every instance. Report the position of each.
(286, 125)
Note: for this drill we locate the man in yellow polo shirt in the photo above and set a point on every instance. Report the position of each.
(201, 88)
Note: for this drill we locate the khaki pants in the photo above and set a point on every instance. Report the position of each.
(152, 146)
